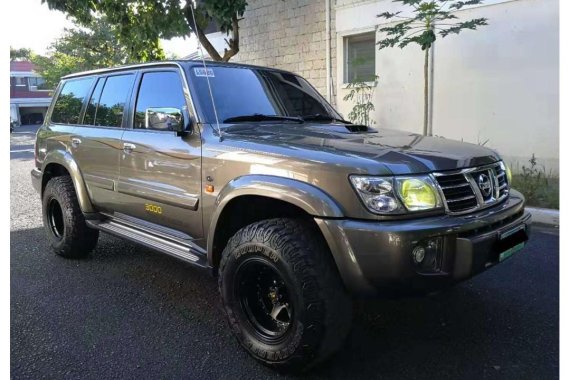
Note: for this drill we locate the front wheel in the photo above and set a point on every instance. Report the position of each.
(282, 293)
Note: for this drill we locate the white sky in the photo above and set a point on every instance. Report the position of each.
(44, 26)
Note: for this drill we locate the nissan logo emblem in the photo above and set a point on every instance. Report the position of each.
(484, 183)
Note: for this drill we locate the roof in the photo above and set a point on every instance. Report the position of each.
(21, 66)
(180, 63)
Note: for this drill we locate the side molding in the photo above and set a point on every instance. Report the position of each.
(65, 159)
(307, 197)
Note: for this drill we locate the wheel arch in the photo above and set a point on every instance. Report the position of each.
(59, 163)
(248, 199)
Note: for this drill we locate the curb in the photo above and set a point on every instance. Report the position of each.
(545, 216)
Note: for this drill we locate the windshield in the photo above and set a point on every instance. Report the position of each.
(240, 91)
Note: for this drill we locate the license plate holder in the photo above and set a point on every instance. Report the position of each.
(511, 241)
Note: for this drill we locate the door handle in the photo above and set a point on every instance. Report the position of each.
(128, 147)
(75, 141)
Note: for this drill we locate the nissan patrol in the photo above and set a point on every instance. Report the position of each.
(249, 173)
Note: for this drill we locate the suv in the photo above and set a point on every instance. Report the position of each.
(249, 173)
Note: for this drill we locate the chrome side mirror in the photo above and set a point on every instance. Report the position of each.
(164, 119)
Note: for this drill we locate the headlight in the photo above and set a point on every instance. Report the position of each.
(396, 195)
(377, 194)
(418, 193)
(509, 173)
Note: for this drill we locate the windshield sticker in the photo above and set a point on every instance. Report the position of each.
(202, 72)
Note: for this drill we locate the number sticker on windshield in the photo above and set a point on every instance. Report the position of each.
(202, 72)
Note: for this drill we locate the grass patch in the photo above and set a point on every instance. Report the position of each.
(539, 188)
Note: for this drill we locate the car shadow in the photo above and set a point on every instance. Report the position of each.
(474, 330)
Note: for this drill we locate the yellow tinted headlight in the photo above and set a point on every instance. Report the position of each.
(418, 194)
(509, 174)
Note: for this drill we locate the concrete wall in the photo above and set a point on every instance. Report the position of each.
(499, 83)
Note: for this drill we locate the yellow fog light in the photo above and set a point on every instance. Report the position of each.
(418, 194)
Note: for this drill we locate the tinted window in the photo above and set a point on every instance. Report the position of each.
(89, 117)
(111, 105)
(68, 105)
(158, 90)
(243, 91)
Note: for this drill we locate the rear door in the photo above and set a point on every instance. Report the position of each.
(160, 179)
(96, 143)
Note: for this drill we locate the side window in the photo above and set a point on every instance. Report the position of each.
(111, 105)
(158, 92)
(90, 113)
(68, 104)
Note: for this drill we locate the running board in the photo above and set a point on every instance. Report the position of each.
(185, 251)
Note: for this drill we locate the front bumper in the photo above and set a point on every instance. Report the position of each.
(376, 257)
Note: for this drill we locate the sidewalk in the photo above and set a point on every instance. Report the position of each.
(545, 216)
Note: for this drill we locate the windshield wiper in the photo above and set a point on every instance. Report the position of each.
(321, 117)
(262, 117)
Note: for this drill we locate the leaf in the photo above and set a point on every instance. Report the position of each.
(471, 24)
(388, 15)
(461, 4)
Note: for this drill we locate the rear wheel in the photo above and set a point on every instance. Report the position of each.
(282, 294)
(65, 226)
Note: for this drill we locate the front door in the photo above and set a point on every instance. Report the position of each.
(96, 143)
(160, 179)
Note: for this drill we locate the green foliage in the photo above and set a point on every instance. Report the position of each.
(361, 93)
(539, 188)
(21, 54)
(141, 23)
(81, 49)
(430, 18)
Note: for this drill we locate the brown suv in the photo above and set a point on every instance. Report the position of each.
(248, 172)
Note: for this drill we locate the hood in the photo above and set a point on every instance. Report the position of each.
(399, 152)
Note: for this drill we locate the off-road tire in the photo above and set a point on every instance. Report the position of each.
(322, 309)
(76, 239)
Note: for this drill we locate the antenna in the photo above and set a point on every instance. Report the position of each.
(206, 71)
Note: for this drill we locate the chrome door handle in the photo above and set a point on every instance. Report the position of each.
(128, 147)
(75, 141)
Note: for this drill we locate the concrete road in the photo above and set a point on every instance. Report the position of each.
(127, 312)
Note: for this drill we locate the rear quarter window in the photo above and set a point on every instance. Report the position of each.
(67, 108)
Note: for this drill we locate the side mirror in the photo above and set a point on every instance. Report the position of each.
(165, 119)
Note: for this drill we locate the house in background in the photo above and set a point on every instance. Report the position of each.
(29, 97)
(498, 84)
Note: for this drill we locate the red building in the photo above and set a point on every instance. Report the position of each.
(29, 97)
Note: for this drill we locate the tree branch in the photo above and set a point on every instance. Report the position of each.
(233, 43)
(212, 52)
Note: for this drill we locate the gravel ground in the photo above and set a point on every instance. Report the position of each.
(127, 312)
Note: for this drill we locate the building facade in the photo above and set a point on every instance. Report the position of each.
(496, 86)
(29, 98)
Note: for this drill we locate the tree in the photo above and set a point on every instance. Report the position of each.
(81, 49)
(361, 93)
(430, 17)
(141, 23)
(21, 54)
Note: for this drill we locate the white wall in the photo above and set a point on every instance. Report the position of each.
(499, 83)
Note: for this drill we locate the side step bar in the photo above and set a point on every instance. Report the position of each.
(171, 246)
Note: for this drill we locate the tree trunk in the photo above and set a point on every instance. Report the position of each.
(233, 42)
(426, 90)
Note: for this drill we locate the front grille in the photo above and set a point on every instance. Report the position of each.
(458, 192)
(474, 188)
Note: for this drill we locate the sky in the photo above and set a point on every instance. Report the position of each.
(51, 24)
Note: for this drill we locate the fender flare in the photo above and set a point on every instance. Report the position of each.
(307, 197)
(65, 159)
